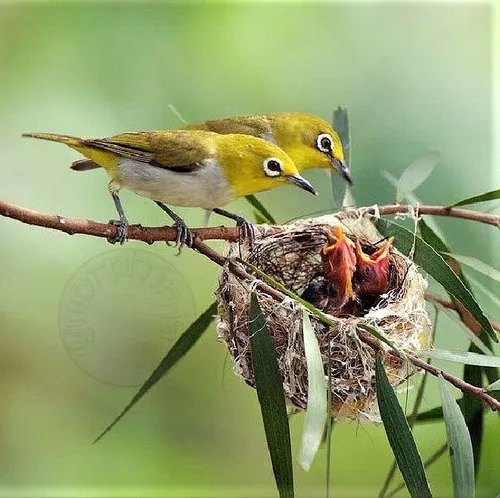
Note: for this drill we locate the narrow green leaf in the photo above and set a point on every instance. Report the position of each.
(316, 414)
(474, 339)
(269, 385)
(416, 173)
(483, 289)
(341, 126)
(430, 461)
(260, 208)
(495, 386)
(399, 436)
(477, 265)
(185, 342)
(471, 406)
(432, 415)
(473, 409)
(487, 196)
(259, 219)
(464, 357)
(433, 263)
(459, 443)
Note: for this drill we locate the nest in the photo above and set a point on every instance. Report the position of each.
(292, 255)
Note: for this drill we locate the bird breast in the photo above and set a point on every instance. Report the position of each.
(203, 187)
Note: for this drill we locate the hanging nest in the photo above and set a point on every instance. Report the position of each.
(292, 255)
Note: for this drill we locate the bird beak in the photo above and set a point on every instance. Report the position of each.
(301, 182)
(378, 256)
(373, 269)
(343, 170)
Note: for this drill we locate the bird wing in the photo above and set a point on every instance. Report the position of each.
(258, 126)
(176, 151)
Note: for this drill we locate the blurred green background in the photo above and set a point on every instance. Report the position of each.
(413, 77)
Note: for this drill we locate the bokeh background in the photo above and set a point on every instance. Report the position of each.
(413, 77)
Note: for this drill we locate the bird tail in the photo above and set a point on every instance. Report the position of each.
(74, 142)
(53, 137)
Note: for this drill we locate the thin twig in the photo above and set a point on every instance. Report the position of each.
(150, 235)
(449, 305)
(455, 381)
(465, 214)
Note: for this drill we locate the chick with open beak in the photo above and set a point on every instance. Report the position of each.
(372, 270)
(339, 263)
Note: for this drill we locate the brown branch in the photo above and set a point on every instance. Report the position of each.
(457, 382)
(150, 235)
(364, 336)
(465, 214)
(451, 306)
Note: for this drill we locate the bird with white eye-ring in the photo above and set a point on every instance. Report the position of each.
(184, 168)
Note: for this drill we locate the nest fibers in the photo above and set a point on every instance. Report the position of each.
(291, 255)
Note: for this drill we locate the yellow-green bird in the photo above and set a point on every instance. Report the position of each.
(309, 140)
(184, 168)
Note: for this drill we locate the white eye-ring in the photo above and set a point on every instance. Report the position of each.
(272, 166)
(324, 143)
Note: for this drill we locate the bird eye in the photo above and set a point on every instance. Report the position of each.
(324, 143)
(272, 166)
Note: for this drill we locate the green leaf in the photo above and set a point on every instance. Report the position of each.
(269, 385)
(416, 173)
(427, 258)
(473, 409)
(477, 265)
(495, 386)
(259, 219)
(430, 461)
(432, 415)
(185, 342)
(259, 207)
(487, 196)
(399, 436)
(483, 289)
(459, 443)
(316, 414)
(474, 339)
(341, 126)
(464, 357)
(471, 406)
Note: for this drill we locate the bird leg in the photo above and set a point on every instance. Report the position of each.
(247, 230)
(184, 234)
(121, 224)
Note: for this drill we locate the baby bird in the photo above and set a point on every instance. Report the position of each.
(372, 270)
(339, 265)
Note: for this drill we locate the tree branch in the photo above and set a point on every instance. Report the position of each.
(231, 234)
(150, 235)
(451, 306)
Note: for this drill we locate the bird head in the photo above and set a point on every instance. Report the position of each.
(310, 141)
(339, 263)
(372, 271)
(252, 165)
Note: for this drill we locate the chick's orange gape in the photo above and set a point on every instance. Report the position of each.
(353, 278)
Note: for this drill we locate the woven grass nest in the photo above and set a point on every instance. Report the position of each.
(291, 255)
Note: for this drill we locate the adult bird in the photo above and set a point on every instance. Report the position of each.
(183, 168)
(309, 140)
